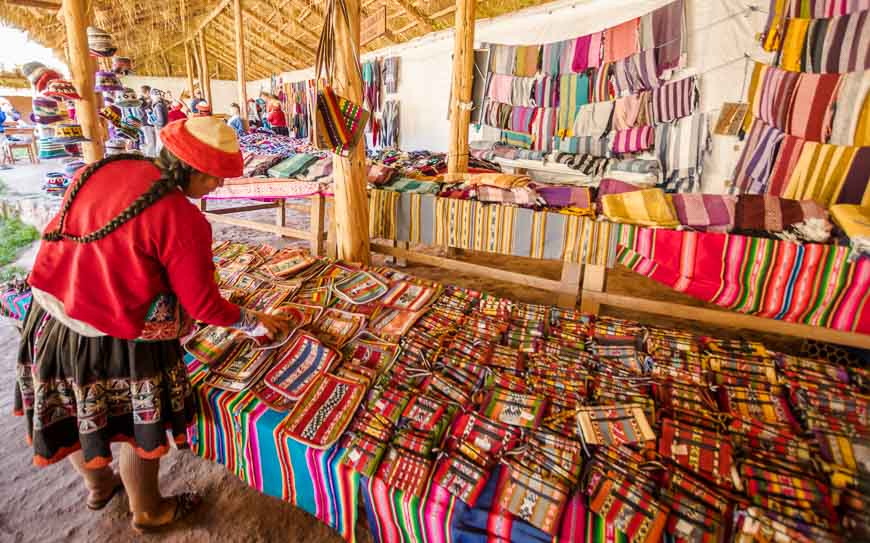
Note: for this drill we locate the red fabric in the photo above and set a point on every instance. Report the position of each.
(176, 115)
(111, 283)
(200, 155)
(276, 118)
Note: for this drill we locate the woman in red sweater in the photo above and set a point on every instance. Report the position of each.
(121, 267)
(276, 119)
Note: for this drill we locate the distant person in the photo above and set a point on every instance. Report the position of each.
(235, 120)
(175, 112)
(203, 109)
(276, 118)
(197, 98)
(253, 113)
(160, 116)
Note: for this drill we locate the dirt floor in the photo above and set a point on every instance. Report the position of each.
(47, 504)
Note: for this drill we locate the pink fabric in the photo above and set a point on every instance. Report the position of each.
(621, 41)
(625, 112)
(500, 88)
(587, 52)
(633, 140)
(612, 186)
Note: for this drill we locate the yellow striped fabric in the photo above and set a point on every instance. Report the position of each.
(648, 207)
(382, 214)
(820, 172)
(793, 44)
(758, 72)
(853, 219)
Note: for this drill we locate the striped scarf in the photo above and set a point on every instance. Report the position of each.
(680, 147)
(674, 100)
(602, 88)
(811, 106)
(573, 93)
(551, 58)
(837, 45)
(546, 91)
(502, 58)
(632, 140)
(772, 101)
(851, 125)
(789, 152)
(521, 91)
(521, 119)
(822, 172)
(756, 161)
(544, 127)
(391, 75)
(636, 73)
(582, 145)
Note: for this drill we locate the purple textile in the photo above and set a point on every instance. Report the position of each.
(613, 186)
(521, 119)
(855, 184)
(709, 212)
(667, 23)
(557, 196)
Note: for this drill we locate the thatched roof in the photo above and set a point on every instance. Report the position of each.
(279, 35)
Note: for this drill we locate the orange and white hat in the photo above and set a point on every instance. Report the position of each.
(206, 143)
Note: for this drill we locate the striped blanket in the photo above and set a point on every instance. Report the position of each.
(811, 284)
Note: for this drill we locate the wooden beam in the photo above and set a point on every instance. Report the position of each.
(351, 200)
(82, 70)
(287, 22)
(188, 69)
(463, 74)
(283, 55)
(240, 62)
(270, 60)
(39, 4)
(415, 14)
(206, 77)
(195, 29)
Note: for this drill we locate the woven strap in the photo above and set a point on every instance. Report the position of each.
(325, 57)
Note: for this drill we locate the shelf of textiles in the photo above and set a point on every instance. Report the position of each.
(383, 126)
(537, 415)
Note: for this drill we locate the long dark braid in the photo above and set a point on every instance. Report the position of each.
(173, 173)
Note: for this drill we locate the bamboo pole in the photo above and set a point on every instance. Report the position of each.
(205, 82)
(197, 57)
(82, 70)
(188, 68)
(351, 200)
(240, 62)
(463, 72)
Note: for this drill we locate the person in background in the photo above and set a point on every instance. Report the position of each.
(160, 115)
(119, 270)
(235, 120)
(149, 133)
(5, 159)
(276, 118)
(253, 113)
(197, 98)
(175, 112)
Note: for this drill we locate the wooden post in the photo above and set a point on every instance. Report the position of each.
(189, 69)
(463, 72)
(82, 69)
(318, 208)
(240, 62)
(351, 200)
(594, 280)
(205, 78)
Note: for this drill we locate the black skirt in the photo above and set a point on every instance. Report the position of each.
(79, 392)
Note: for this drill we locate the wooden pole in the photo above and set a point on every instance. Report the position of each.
(189, 69)
(205, 82)
(240, 62)
(351, 200)
(196, 61)
(82, 69)
(463, 71)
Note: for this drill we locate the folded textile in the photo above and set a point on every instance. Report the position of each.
(558, 196)
(648, 207)
(521, 196)
(379, 174)
(584, 145)
(834, 45)
(786, 159)
(593, 119)
(293, 165)
(637, 165)
(632, 140)
(404, 184)
(756, 161)
(760, 213)
(680, 147)
(621, 41)
(257, 165)
(318, 171)
(613, 186)
(708, 212)
(517, 139)
(772, 100)
(501, 180)
(811, 106)
(854, 220)
(587, 164)
(851, 124)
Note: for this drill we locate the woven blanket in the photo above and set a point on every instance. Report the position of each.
(267, 188)
(806, 283)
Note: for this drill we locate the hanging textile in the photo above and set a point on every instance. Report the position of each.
(371, 76)
(602, 88)
(755, 80)
(626, 111)
(836, 45)
(670, 43)
(551, 58)
(816, 284)
(821, 173)
(521, 119)
(786, 159)
(587, 52)
(500, 88)
(621, 41)
(635, 73)
(811, 112)
(772, 102)
(573, 93)
(521, 91)
(793, 44)
(851, 124)
(680, 147)
(756, 161)
(593, 119)
(632, 140)
(546, 91)
(391, 124)
(527, 59)
(674, 100)
(391, 75)
(502, 58)
(544, 127)
(566, 56)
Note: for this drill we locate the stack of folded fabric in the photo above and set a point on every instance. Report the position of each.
(100, 43)
(48, 148)
(55, 183)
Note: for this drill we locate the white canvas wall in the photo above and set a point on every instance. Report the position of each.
(223, 92)
(720, 34)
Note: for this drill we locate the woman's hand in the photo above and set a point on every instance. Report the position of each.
(274, 324)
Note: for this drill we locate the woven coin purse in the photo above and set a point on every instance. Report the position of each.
(534, 497)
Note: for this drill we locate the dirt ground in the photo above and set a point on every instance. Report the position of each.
(47, 504)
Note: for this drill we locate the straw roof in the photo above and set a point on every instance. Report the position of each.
(279, 35)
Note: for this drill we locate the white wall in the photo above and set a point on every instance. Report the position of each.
(223, 92)
(720, 34)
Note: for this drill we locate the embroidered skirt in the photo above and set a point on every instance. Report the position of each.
(85, 393)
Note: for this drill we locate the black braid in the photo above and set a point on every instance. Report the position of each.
(174, 173)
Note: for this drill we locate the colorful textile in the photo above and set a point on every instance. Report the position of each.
(851, 124)
(544, 127)
(670, 44)
(551, 58)
(586, 164)
(626, 111)
(821, 174)
(522, 196)
(324, 411)
(707, 212)
(621, 41)
(546, 91)
(573, 93)
(680, 147)
(602, 87)
(527, 59)
(790, 149)
(501, 180)
(585, 145)
(632, 140)
(241, 187)
(556, 196)
(359, 287)
(408, 296)
(835, 45)
(635, 73)
(854, 220)
(811, 113)
(304, 361)
(817, 283)
(766, 213)
(15, 300)
(501, 88)
(292, 166)
(521, 119)
(502, 58)
(395, 516)
(517, 139)
(587, 52)
(648, 207)
(793, 44)
(614, 425)
(772, 102)
(757, 159)
(404, 184)
(613, 186)
(521, 91)
(593, 119)
(674, 100)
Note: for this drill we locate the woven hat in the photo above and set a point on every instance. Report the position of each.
(100, 42)
(111, 114)
(69, 133)
(107, 82)
(122, 65)
(54, 178)
(62, 89)
(127, 131)
(29, 67)
(45, 111)
(47, 77)
(206, 143)
(128, 98)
